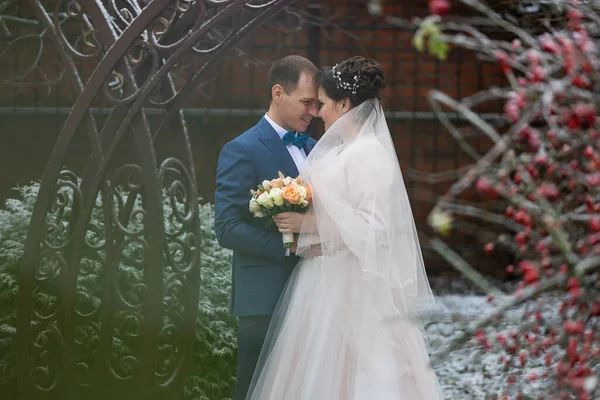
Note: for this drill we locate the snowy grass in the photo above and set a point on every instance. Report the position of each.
(469, 373)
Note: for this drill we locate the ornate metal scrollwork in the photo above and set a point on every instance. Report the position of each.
(109, 282)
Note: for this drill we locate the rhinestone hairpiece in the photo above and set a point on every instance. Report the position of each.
(350, 86)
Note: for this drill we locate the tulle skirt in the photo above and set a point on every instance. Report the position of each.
(338, 334)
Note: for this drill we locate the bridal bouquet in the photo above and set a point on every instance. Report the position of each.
(282, 194)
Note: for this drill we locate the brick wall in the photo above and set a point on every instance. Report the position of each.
(346, 29)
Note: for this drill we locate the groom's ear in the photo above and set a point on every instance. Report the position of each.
(277, 92)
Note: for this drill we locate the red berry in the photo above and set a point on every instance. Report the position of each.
(549, 191)
(575, 293)
(574, 14)
(573, 327)
(538, 73)
(439, 7)
(530, 271)
(532, 377)
(563, 269)
(518, 178)
(581, 81)
(589, 204)
(501, 338)
(512, 111)
(593, 179)
(522, 357)
(574, 163)
(549, 44)
(595, 311)
(521, 238)
(484, 186)
(562, 368)
(502, 58)
(572, 283)
(594, 223)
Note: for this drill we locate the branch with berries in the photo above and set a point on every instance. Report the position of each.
(543, 169)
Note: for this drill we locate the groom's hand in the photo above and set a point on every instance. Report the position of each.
(289, 222)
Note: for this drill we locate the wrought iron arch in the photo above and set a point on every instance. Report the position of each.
(115, 340)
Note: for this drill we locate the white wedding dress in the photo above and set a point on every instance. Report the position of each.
(346, 327)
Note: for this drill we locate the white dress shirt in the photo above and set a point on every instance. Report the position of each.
(298, 155)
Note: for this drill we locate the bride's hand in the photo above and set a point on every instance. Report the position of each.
(289, 222)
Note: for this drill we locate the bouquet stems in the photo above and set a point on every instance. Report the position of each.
(288, 240)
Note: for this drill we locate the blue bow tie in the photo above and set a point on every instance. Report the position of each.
(291, 138)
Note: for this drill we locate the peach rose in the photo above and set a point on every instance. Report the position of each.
(290, 194)
(308, 193)
(277, 183)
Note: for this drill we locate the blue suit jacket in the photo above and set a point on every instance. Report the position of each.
(260, 268)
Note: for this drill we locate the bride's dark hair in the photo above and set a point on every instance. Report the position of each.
(357, 78)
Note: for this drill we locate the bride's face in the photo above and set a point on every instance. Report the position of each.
(331, 110)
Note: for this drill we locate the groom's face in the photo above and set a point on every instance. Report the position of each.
(299, 106)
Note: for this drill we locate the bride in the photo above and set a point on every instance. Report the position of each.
(344, 328)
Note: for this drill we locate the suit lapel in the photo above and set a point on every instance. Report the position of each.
(273, 142)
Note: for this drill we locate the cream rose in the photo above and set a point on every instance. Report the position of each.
(265, 200)
(254, 206)
(275, 194)
(302, 192)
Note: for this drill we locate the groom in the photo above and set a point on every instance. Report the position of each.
(261, 266)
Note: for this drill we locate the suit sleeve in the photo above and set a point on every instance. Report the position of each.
(235, 178)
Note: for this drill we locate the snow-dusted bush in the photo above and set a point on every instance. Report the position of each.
(544, 171)
(212, 371)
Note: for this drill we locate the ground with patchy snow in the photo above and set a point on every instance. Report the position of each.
(468, 373)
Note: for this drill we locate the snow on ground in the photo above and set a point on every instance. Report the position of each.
(468, 373)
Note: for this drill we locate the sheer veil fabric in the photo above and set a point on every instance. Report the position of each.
(344, 327)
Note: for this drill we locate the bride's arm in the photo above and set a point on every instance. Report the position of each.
(369, 220)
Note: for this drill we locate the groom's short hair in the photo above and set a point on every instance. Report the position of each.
(286, 72)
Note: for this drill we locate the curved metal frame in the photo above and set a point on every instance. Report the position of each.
(149, 208)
